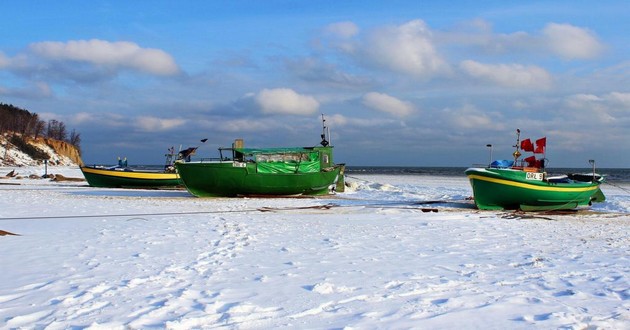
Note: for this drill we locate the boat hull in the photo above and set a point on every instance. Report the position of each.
(498, 189)
(110, 178)
(230, 179)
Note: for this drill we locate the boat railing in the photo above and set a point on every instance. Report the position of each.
(215, 159)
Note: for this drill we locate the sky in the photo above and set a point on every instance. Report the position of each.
(400, 83)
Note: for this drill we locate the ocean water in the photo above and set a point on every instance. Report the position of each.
(613, 175)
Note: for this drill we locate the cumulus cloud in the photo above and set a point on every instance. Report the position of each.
(388, 104)
(337, 120)
(563, 40)
(4, 61)
(509, 75)
(154, 124)
(620, 98)
(339, 36)
(81, 117)
(469, 117)
(121, 54)
(479, 34)
(314, 70)
(43, 89)
(286, 101)
(591, 108)
(608, 108)
(407, 48)
(247, 125)
(34, 90)
(572, 42)
(581, 100)
(342, 29)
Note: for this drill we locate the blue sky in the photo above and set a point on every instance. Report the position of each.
(401, 83)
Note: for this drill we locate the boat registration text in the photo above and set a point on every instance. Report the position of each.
(534, 176)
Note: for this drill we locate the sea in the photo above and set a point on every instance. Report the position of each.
(613, 175)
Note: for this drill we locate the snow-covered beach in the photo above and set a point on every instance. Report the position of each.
(394, 251)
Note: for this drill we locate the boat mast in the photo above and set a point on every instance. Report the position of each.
(169, 157)
(517, 153)
(325, 133)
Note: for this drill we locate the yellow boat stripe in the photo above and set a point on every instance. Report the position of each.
(132, 175)
(532, 186)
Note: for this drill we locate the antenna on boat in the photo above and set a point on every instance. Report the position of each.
(325, 132)
(169, 157)
(517, 153)
(490, 146)
(592, 162)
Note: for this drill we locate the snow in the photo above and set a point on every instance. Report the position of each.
(393, 252)
(10, 155)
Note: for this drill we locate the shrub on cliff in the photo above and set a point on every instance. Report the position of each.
(28, 149)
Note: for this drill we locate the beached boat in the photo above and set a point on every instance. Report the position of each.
(525, 184)
(127, 178)
(122, 176)
(240, 171)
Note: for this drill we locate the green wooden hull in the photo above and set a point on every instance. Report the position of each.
(498, 189)
(229, 179)
(110, 178)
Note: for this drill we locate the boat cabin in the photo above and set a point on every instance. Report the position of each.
(280, 160)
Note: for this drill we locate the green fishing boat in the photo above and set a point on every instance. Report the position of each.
(240, 171)
(526, 185)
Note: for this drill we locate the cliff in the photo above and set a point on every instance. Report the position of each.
(63, 148)
(59, 152)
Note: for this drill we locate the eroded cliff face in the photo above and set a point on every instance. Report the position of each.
(65, 149)
(59, 152)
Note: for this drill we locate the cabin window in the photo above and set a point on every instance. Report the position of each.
(283, 157)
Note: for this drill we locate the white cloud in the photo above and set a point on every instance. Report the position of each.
(315, 70)
(246, 125)
(4, 61)
(479, 34)
(581, 100)
(388, 104)
(113, 54)
(590, 108)
(81, 117)
(33, 90)
(407, 48)
(564, 40)
(572, 42)
(337, 120)
(153, 124)
(620, 98)
(509, 75)
(43, 89)
(286, 101)
(608, 108)
(342, 29)
(469, 117)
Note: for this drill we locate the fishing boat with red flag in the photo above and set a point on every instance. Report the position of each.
(525, 185)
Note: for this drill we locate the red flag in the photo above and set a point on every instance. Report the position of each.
(527, 145)
(540, 145)
(531, 161)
